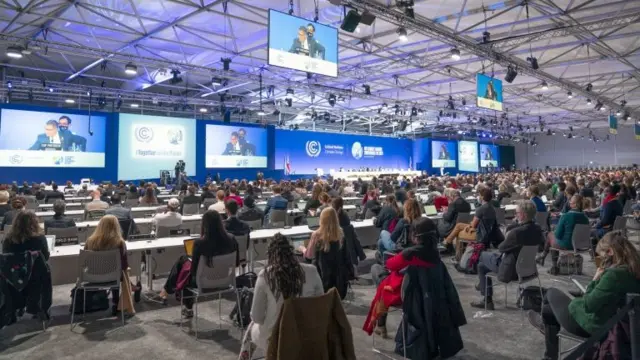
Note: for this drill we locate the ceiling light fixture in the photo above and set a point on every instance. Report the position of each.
(402, 34)
(69, 101)
(14, 52)
(570, 95)
(130, 69)
(455, 54)
(203, 110)
(588, 101)
(511, 74)
(545, 86)
(589, 87)
(261, 112)
(618, 112)
(135, 105)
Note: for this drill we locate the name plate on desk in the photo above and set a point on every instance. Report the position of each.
(140, 237)
(69, 240)
(179, 232)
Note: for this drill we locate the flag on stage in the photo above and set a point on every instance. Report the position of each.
(613, 125)
(410, 163)
(637, 127)
(287, 165)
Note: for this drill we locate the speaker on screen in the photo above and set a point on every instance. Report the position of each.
(351, 21)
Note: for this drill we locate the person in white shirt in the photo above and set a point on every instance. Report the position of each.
(170, 218)
(283, 278)
(219, 205)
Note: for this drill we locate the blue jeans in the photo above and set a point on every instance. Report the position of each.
(488, 262)
(385, 243)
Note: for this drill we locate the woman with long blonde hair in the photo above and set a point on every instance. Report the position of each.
(108, 236)
(326, 249)
(618, 274)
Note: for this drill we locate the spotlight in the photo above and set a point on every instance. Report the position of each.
(261, 112)
(402, 34)
(130, 69)
(9, 85)
(588, 101)
(545, 86)
(511, 74)
(289, 102)
(534, 63)
(570, 95)
(618, 112)
(69, 101)
(203, 110)
(486, 37)
(135, 105)
(589, 87)
(176, 76)
(627, 116)
(225, 63)
(384, 105)
(216, 82)
(414, 111)
(290, 93)
(367, 89)
(332, 100)
(14, 52)
(455, 54)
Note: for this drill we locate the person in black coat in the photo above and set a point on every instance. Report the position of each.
(561, 198)
(249, 212)
(456, 206)
(4, 202)
(59, 220)
(53, 195)
(190, 198)
(389, 211)
(26, 235)
(17, 205)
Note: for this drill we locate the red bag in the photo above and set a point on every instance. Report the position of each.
(392, 225)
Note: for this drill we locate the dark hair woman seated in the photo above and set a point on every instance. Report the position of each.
(214, 241)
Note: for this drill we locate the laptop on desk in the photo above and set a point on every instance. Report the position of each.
(313, 222)
(188, 247)
(430, 210)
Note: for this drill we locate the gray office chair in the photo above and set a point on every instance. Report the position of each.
(190, 209)
(620, 224)
(527, 271)
(542, 220)
(165, 231)
(243, 247)
(627, 210)
(130, 203)
(581, 242)
(97, 270)
(255, 224)
(65, 236)
(217, 280)
(278, 218)
(208, 202)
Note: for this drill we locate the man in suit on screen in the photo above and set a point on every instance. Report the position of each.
(76, 142)
(316, 50)
(301, 43)
(246, 147)
(52, 139)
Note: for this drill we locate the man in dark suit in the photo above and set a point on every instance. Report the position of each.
(232, 224)
(301, 44)
(456, 206)
(316, 50)
(249, 212)
(248, 149)
(59, 220)
(233, 146)
(191, 198)
(122, 213)
(76, 142)
(51, 139)
(53, 195)
(527, 233)
(276, 202)
(608, 213)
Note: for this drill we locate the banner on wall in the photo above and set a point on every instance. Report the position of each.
(613, 125)
(637, 127)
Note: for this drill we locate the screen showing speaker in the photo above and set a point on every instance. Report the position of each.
(489, 155)
(51, 139)
(307, 152)
(489, 92)
(468, 156)
(301, 44)
(236, 147)
(150, 144)
(443, 154)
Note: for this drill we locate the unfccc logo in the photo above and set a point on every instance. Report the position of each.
(313, 148)
(144, 134)
(356, 150)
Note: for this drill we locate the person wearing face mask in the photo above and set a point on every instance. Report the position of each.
(52, 139)
(76, 142)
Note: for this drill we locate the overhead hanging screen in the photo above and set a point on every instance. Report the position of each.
(489, 92)
(301, 44)
(51, 139)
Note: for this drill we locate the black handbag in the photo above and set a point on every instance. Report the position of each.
(246, 280)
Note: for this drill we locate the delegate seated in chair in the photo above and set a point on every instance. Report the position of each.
(214, 241)
(108, 236)
(527, 233)
(561, 237)
(618, 275)
(59, 220)
(25, 235)
(610, 209)
(400, 236)
(388, 279)
(283, 278)
(170, 218)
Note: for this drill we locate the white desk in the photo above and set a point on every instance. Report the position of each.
(368, 175)
(72, 205)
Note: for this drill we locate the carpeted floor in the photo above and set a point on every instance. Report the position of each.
(154, 333)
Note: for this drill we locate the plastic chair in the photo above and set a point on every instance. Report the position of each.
(527, 271)
(34, 206)
(278, 218)
(403, 287)
(627, 209)
(255, 224)
(97, 270)
(580, 241)
(620, 224)
(126, 225)
(165, 231)
(208, 202)
(190, 209)
(542, 220)
(130, 203)
(65, 236)
(216, 280)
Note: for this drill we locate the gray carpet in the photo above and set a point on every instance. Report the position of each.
(154, 333)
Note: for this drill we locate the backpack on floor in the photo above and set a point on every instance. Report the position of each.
(97, 300)
(530, 299)
(246, 299)
(468, 263)
(569, 264)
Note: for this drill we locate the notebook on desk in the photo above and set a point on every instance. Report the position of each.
(51, 242)
(430, 210)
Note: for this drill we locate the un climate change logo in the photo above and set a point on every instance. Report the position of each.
(144, 134)
(15, 159)
(356, 150)
(313, 148)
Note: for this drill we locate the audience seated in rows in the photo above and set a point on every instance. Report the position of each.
(171, 217)
(213, 241)
(59, 220)
(108, 236)
(534, 194)
(617, 276)
(389, 214)
(190, 198)
(525, 233)
(53, 194)
(149, 198)
(116, 209)
(456, 206)
(4, 202)
(25, 235)
(232, 224)
(610, 209)
(249, 212)
(84, 191)
(275, 202)
(18, 204)
(314, 202)
(233, 195)
(219, 204)
(398, 237)
(561, 238)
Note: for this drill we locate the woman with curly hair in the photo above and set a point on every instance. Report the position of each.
(283, 278)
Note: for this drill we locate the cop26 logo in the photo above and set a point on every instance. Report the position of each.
(144, 134)
(313, 148)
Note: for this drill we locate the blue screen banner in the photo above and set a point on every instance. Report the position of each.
(304, 152)
(489, 155)
(443, 154)
(236, 147)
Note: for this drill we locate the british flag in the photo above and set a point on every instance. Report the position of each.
(287, 165)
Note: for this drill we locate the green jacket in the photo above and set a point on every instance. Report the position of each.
(566, 224)
(603, 298)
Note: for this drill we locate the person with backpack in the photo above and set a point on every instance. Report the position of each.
(504, 263)
(284, 277)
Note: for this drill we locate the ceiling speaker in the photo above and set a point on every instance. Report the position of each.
(367, 18)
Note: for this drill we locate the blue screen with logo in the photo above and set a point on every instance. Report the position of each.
(306, 151)
(236, 147)
(149, 144)
(489, 155)
(51, 139)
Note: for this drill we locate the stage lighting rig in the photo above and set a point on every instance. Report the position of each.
(332, 100)
(225, 63)
(367, 89)
(534, 62)
(511, 74)
(176, 76)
